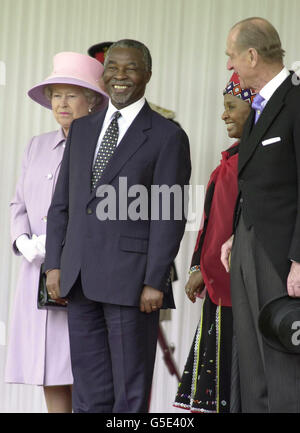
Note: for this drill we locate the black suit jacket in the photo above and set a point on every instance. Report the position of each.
(117, 257)
(269, 176)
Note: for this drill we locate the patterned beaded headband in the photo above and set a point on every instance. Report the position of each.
(234, 88)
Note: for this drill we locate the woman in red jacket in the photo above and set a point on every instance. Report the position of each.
(206, 380)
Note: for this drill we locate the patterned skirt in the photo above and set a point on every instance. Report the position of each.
(206, 380)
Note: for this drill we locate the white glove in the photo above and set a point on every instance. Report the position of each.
(41, 244)
(28, 247)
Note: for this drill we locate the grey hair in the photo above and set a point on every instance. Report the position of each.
(131, 43)
(260, 34)
(92, 97)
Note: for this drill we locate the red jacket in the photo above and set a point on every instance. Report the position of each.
(220, 199)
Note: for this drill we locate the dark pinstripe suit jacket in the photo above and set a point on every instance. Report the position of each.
(269, 177)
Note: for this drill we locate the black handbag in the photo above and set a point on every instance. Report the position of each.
(43, 299)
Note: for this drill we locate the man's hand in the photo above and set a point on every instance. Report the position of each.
(293, 280)
(53, 287)
(226, 252)
(151, 299)
(195, 286)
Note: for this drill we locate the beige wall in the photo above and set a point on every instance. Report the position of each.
(187, 42)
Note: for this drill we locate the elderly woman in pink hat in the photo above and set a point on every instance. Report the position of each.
(38, 351)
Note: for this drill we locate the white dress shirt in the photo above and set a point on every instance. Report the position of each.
(128, 114)
(268, 90)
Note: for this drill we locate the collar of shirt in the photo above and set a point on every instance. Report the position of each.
(268, 90)
(128, 114)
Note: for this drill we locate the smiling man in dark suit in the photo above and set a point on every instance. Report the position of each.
(266, 250)
(115, 271)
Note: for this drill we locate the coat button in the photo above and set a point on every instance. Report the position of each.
(49, 176)
(241, 200)
(89, 211)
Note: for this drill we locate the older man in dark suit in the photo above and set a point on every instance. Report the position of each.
(108, 251)
(265, 260)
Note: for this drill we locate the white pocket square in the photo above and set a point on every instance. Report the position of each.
(270, 141)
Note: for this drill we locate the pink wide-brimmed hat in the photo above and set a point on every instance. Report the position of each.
(71, 68)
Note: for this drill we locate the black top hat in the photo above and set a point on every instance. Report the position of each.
(279, 323)
(98, 51)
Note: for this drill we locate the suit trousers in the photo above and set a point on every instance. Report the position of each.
(269, 379)
(112, 354)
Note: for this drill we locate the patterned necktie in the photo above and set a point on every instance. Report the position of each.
(107, 148)
(257, 106)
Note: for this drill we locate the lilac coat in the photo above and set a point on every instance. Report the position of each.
(38, 350)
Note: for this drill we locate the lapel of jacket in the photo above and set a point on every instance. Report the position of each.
(129, 144)
(252, 137)
(248, 126)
